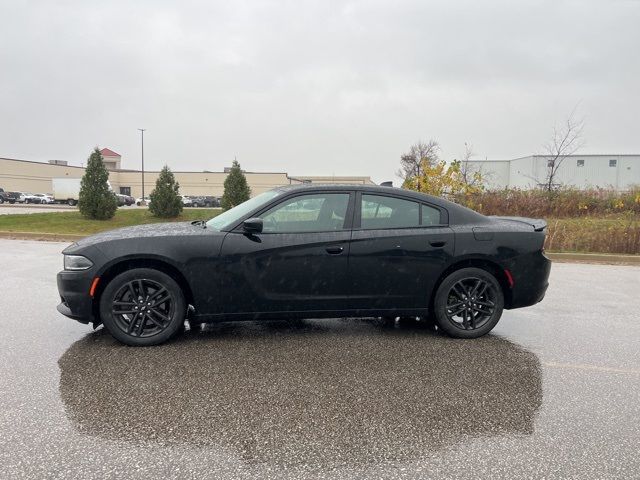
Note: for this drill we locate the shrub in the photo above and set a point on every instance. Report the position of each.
(236, 189)
(96, 200)
(598, 235)
(165, 200)
(563, 203)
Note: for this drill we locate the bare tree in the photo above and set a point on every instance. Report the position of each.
(469, 172)
(567, 139)
(411, 163)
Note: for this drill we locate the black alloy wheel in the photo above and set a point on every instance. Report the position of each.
(142, 307)
(468, 303)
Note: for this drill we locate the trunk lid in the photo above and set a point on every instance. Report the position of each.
(538, 224)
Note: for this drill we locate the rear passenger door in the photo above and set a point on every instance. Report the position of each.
(398, 248)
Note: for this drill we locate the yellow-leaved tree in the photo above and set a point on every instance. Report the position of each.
(445, 180)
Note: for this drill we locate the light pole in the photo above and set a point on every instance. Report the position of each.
(142, 202)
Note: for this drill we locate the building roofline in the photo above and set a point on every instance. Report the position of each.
(590, 155)
(573, 155)
(41, 163)
(130, 170)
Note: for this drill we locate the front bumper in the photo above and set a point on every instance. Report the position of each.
(75, 301)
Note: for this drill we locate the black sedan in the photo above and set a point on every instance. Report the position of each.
(309, 252)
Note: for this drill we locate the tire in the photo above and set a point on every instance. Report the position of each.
(159, 324)
(71, 202)
(478, 294)
(1, 200)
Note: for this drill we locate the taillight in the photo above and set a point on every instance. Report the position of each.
(507, 274)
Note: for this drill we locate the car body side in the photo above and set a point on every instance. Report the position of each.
(234, 275)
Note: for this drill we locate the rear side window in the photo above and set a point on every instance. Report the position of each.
(388, 212)
(430, 215)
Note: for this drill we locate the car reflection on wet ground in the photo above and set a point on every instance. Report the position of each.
(553, 393)
(326, 393)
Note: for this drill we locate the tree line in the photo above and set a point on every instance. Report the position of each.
(98, 202)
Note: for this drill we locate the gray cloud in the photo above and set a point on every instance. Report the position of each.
(313, 87)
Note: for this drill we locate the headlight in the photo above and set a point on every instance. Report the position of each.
(77, 262)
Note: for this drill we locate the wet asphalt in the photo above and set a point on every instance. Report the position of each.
(554, 392)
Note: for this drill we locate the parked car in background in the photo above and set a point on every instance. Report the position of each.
(309, 252)
(44, 198)
(186, 201)
(9, 197)
(38, 198)
(139, 200)
(28, 197)
(124, 200)
(205, 201)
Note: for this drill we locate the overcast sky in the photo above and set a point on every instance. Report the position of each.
(315, 88)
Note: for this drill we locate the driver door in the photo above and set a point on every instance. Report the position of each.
(298, 263)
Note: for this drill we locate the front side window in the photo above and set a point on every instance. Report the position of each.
(580, 163)
(388, 212)
(324, 212)
(228, 218)
(613, 163)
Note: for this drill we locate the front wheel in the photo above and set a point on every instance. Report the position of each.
(468, 303)
(142, 307)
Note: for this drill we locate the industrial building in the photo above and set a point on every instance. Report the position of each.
(31, 176)
(619, 172)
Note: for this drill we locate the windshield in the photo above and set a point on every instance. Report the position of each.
(226, 219)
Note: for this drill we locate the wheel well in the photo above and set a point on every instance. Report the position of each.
(491, 267)
(123, 266)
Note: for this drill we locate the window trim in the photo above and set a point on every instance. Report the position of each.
(346, 226)
(357, 218)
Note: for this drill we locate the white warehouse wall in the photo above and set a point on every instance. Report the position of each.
(527, 172)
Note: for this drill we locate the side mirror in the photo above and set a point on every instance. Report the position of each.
(252, 225)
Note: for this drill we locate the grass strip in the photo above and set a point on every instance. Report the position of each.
(72, 223)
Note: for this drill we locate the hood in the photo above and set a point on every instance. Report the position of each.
(175, 229)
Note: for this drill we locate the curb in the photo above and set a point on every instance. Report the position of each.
(606, 258)
(45, 206)
(47, 237)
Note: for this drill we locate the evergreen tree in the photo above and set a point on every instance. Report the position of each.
(236, 188)
(96, 200)
(165, 200)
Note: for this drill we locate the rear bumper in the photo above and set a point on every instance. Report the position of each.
(530, 279)
(75, 301)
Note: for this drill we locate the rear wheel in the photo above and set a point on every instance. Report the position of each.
(468, 303)
(142, 307)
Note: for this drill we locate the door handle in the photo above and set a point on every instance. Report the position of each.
(334, 250)
(438, 243)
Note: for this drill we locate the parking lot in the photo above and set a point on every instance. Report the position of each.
(552, 393)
